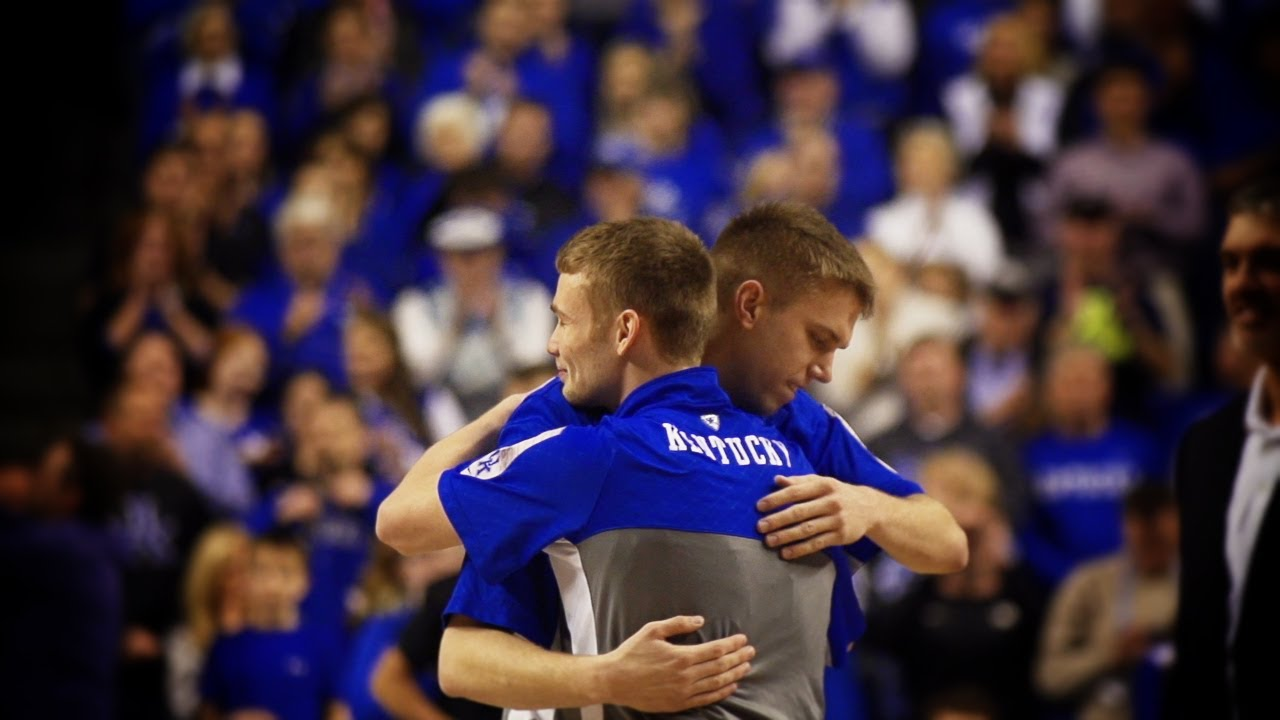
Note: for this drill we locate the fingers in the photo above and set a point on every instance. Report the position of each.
(796, 489)
(714, 650)
(678, 625)
(799, 512)
(710, 698)
(811, 546)
(803, 531)
(722, 670)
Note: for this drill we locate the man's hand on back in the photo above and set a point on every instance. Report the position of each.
(651, 674)
(823, 513)
(819, 512)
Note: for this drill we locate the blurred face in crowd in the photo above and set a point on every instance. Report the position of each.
(1152, 542)
(277, 580)
(309, 254)
(339, 435)
(213, 34)
(369, 129)
(1122, 102)
(37, 490)
(1092, 244)
(524, 142)
(614, 194)
(932, 377)
(966, 485)
(154, 263)
(504, 28)
(625, 77)
(1251, 285)
(240, 366)
(926, 163)
(769, 178)
(945, 280)
(792, 344)
(815, 160)
(349, 41)
(1078, 389)
(139, 419)
(154, 361)
(450, 147)
(247, 146)
(546, 16)
(663, 122)
(473, 270)
(808, 96)
(209, 132)
(581, 344)
(166, 179)
(370, 355)
(303, 396)
(1007, 323)
(1005, 53)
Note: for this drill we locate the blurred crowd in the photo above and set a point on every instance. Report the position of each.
(341, 247)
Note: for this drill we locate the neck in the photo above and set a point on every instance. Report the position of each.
(1082, 428)
(223, 404)
(637, 373)
(937, 421)
(720, 355)
(1126, 137)
(1271, 393)
(554, 42)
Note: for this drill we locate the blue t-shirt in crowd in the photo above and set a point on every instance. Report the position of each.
(527, 602)
(1077, 489)
(338, 543)
(376, 636)
(264, 307)
(866, 173)
(290, 673)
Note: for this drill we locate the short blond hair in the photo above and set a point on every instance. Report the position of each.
(960, 474)
(791, 249)
(658, 268)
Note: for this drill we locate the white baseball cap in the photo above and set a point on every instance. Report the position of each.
(465, 229)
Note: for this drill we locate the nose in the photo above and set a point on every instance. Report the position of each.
(553, 345)
(821, 370)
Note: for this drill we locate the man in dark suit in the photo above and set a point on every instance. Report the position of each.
(1228, 466)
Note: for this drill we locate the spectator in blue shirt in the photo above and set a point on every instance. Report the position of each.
(684, 171)
(1081, 468)
(61, 613)
(300, 313)
(152, 288)
(807, 94)
(213, 75)
(713, 41)
(571, 64)
(333, 512)
(355, 63)
(280, 664)
(612, 192)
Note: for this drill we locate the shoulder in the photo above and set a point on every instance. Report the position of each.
(1223, 425)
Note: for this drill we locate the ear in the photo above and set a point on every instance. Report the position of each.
(748, 300)
(626, 331)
